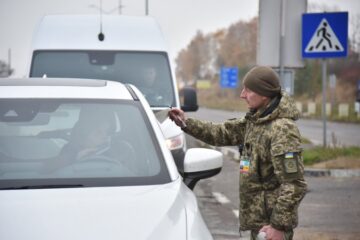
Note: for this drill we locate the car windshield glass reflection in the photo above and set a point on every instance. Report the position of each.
(91, 143)
(150, 72)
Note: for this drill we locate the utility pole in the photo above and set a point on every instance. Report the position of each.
(120, 7)
(281, 45)
(146, 7)
(9, 62)
(324, 77)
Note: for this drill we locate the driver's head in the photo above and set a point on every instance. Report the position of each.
(93, 128)
(97, 135)
(149, 76)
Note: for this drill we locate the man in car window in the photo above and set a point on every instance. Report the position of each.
(149, 85)
(91, 134)
(91, 141)
(90, 138)
(271, 168)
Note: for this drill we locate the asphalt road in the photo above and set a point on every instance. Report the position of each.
(343, 134)
(330, 208)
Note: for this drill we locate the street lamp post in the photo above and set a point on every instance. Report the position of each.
(146, 7)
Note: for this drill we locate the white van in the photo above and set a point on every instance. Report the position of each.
(122, 48)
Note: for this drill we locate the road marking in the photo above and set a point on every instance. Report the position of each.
(221, 198)
(236, 212)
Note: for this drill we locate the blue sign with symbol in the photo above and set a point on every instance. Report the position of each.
(229, 77)
(324, 35)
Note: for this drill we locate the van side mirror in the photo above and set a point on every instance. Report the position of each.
(190, 99)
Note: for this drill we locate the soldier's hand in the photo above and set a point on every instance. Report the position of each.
(272, 233)
(177, 116)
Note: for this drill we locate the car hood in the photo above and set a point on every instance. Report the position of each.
(140, 212)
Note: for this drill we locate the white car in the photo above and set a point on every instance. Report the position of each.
(86, 159)
(126, 49)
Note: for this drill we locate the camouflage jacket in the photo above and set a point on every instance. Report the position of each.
(271, 167)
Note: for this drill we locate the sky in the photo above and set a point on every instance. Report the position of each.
(178, 19)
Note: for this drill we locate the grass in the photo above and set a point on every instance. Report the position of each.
(320, 154)
(305, 140)
(222, 101)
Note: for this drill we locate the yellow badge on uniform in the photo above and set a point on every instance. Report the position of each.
(290, 163)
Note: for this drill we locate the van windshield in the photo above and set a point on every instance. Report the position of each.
(148, 71)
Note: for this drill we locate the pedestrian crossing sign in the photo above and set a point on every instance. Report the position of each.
(324, 35)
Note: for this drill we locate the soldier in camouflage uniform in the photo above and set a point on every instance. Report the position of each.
(271, 169)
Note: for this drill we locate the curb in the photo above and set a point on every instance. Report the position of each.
(233, 154)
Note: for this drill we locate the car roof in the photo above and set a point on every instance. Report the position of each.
(63, 88)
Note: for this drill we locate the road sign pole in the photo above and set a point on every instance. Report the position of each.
(281, 47)
(324, 35)
(324, 66)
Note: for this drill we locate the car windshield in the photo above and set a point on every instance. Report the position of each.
(47, 142)
(148, 71)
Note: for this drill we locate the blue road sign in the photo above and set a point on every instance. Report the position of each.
(229, 77)
(324, 35)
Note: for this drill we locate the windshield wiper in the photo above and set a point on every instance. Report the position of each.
(44, 186)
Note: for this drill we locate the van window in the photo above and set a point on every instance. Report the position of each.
(148, 71)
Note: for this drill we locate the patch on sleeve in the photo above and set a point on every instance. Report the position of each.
(290, 163)
(244, 165)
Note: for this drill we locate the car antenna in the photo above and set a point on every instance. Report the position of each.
(101, 36)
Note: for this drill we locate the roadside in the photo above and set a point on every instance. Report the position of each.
(342, 166)
(329, 211)
(339, 167)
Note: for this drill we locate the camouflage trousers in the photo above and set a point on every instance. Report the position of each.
(287, 235)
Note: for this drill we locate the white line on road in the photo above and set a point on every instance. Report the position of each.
(236, 213)
(221, 198)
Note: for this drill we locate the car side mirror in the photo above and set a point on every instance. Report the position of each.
(201, 163)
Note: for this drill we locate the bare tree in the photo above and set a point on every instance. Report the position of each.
(5, 69)
(355, 36)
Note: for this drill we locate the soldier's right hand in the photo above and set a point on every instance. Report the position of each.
(177, 116)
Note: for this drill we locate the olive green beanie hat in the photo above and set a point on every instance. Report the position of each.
(263, 81)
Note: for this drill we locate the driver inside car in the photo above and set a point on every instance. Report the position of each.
(87, 141)
(148, 88)
(91, 138)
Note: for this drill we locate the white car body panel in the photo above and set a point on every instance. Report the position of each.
(140, 212)
(115, 91)
(174, 174)
(151, 212)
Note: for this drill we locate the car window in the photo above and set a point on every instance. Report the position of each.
(148, 71)
(84, 142)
